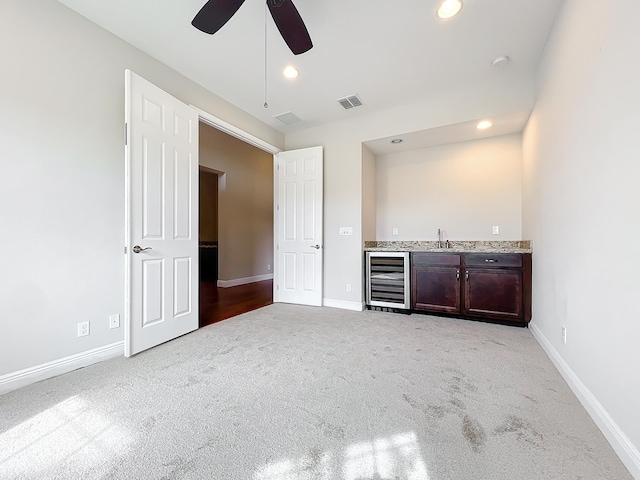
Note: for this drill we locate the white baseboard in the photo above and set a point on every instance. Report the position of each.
(343, 304)
(243, 281)
(22, 378)
(627, 451)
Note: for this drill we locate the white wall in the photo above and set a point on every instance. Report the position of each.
(464, 189)
(581, 208)
(343, 152)
(62, 177)
(369, 194)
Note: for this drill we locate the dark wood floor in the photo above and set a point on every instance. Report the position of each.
(218, 303)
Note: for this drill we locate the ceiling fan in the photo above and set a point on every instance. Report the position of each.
(215, 13)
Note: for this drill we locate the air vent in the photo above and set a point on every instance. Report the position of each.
(350, 101)
(287, 118)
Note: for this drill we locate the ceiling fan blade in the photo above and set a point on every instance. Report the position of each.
(214, 14)
(292, 28)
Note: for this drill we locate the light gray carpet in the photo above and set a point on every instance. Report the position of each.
(291, 393)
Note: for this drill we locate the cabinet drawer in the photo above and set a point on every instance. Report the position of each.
(436, 258)
(493, 259)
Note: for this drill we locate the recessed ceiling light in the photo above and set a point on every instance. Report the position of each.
(290, 72)
(449, 8)
(484, 124)
(397, 140)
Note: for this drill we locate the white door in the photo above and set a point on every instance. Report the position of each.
(162, 216)
(299, 248)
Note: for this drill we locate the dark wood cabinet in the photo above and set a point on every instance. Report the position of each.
(435, 282)
(476, 285)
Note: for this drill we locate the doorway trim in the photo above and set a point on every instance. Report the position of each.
(218, 123)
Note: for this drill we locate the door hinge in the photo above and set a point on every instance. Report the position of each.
(125, 250)
(126, 139)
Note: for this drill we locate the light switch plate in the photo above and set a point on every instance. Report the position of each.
(346, 231)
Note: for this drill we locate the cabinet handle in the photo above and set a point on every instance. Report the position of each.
(467, 276)
(458, 275)
(490, 260)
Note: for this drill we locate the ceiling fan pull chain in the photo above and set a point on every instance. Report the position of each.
(266, 105)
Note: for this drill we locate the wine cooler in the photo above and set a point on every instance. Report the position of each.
(388, 275)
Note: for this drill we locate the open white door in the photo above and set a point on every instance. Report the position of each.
(299, 248)
(162, 216)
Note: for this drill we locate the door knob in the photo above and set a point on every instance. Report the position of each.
(317, 247)
(138, 249)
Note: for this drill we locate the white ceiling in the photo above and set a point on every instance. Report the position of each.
(390, 53)
(458, 132)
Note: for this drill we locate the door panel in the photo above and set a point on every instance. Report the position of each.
(152, 290)
(299, 250)
(309, 202)
(182, 286)
(162, 209)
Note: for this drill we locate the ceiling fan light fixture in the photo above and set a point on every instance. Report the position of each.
(449, 8)
(290, 71)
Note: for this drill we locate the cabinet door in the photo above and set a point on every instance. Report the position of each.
(493, 293)
(435, 288)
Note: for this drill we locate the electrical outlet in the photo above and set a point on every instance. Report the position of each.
(496, 230)
(348, 287)
(395, 230)
(83, 329)
(564, 335)
(268, 267)
(114, 321)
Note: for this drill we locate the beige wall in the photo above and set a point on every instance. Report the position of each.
(582, 208)
(464, 189)
(62, 183)
(245, 211)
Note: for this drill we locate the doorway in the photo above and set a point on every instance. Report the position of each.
(235, 226)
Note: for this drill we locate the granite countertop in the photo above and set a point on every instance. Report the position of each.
(508, 246)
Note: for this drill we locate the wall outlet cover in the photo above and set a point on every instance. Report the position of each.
(83, 329)
(114, 321)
